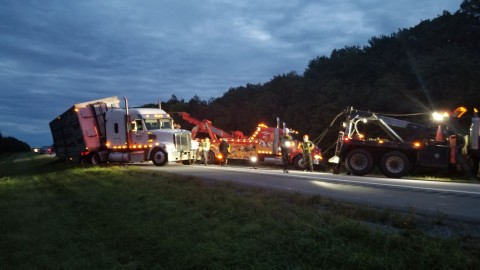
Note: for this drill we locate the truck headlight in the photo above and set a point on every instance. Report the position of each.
(253, 159)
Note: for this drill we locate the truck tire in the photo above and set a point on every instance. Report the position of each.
(298, 162)
(359, 162)
(159, 157)
(211, 157)
(394, 164)
(95, 159)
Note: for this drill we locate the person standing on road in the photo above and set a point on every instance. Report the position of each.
(307, 148)
(224, 150)
(285, 143)
(205, 150)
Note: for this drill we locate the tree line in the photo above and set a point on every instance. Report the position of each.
(433, 65)
(11, 145)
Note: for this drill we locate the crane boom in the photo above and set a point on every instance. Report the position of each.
(206, 126)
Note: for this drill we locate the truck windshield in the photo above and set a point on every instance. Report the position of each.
(152, 124)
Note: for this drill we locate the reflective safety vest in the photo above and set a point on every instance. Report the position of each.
(205, 146)
(307, 146)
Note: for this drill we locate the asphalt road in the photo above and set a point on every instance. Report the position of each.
(459, 201)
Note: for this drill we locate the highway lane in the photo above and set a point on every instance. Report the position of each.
(459, 201)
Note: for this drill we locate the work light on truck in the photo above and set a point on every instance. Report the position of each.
(440, 116)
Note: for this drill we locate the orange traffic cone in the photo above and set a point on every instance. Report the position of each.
(439, 136)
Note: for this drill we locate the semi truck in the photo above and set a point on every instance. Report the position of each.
(100, 131)
(367, 139)
(263, 143)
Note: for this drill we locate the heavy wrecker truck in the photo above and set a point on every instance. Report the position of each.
(99, 131)
(263, 143)
(369, 139)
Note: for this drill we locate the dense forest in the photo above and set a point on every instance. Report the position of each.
(434, 65)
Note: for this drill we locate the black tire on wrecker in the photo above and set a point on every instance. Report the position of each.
(211, 158)
(359, 162)
(298, 162)
(394, 164)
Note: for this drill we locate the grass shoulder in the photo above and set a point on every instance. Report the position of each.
(69, 216)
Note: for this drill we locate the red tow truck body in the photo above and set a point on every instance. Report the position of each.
(263, 143)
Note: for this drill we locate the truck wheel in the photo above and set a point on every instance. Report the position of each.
(159, 157)
(95, 159)
(394, 164)
(211, 157)
(298, 162)
(359, 162)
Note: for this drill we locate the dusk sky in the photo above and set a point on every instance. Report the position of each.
(56, 53)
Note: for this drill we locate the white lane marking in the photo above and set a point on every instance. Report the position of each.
(315, 177)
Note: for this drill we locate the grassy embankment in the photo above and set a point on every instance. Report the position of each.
(54, 215)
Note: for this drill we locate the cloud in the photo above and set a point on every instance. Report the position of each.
(56, 53)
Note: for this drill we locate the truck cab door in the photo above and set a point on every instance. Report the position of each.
(139, 133)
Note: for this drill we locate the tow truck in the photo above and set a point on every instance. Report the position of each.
(263, 143)
(367, 139)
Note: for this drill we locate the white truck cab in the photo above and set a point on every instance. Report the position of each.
(151, 132)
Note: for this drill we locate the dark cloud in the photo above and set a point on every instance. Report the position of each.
(56, 53)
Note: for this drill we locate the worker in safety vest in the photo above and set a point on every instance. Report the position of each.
(205, 150)
(285, 144)
(307, 148)
(224, 148)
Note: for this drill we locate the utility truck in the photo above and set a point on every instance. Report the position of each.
(367, 139)
(100, 130)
